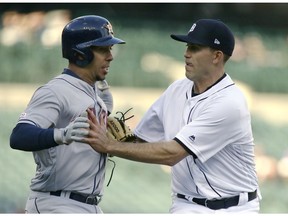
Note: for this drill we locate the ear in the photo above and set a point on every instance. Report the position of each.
(218, 56)
(78, 55)
(82, 57)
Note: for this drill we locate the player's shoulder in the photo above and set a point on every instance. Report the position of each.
(180, 83)
(54, 86)
(64, 82)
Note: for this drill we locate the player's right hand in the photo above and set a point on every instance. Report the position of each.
(74, 129)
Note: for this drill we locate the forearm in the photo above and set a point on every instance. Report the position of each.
(28, 137)
(167, 153)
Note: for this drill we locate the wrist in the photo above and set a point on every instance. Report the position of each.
(111, 145)
(58, 136)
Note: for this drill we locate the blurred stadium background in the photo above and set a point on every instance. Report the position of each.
(30, 54)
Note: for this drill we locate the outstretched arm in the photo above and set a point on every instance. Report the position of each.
(167, 153)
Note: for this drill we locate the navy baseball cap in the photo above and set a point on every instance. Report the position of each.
(209, 32)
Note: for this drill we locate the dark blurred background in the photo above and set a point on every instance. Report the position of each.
(271, 15)
(30, 55)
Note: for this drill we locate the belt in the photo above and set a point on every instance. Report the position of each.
(84, 198)
(216, 204)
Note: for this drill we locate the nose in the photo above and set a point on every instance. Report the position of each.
(187, 53)
(110, 56)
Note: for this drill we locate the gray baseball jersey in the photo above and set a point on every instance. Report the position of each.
(215, 126)
(73, 167)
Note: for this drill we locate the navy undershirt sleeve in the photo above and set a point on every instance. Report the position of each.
(28, 137)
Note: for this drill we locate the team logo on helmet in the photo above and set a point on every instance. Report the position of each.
(108, 26)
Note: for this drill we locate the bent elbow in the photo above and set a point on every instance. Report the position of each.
(17, 137)
(14, 141)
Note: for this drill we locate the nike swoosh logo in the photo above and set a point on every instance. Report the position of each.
(65, 132)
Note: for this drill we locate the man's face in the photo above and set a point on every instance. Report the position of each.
(99, 67)
(198, 61)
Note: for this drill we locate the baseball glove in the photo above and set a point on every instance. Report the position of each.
(117, 128)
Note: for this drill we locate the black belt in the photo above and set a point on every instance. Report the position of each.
(216, 204)
(89, 199)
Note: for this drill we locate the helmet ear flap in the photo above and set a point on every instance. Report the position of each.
(81, 57)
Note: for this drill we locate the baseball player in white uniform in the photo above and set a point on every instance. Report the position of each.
(201, 127)
(69, 175)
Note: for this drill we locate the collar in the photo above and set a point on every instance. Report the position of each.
(193, 94)
(73, 74)
(222, 83)
(70, 72)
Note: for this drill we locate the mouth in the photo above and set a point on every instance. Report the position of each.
(106, 69)
(188, 66)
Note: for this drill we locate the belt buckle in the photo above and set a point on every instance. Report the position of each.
(91, 199)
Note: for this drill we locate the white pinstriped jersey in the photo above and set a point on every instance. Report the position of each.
(214, 125)
(73, 167)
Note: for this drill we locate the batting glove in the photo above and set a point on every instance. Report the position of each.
(74, 131)
(105, 94)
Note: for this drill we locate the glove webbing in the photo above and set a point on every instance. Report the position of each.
(122, 119)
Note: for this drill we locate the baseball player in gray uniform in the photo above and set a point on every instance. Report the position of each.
(201, 127)
(69, 175)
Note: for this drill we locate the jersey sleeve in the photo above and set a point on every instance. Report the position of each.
(150, 128)
(161, 121)
(43, 109)
(217, 126)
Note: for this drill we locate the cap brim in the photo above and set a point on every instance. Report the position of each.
(108, 41)
(186, 39)
(182, 38)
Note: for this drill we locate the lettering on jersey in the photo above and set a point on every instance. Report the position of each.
(192, 138)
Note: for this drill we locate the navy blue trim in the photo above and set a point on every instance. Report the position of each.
(189, 169)
(193, 108)
(185, 147)
(71, 73)
(28, 120)
(193, 94)
(205, 99)
(101, 167)
(27, 137)
(208, 182)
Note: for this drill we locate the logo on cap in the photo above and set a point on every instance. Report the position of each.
(193, 27)
(216, 41)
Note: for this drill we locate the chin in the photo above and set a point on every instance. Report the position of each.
(100, 78)
(189, 76)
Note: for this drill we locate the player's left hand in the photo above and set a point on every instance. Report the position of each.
(75, 131)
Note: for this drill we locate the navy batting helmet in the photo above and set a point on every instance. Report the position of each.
(83, 32)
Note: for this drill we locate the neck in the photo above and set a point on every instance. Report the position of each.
(200, 87)
(82, 73)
